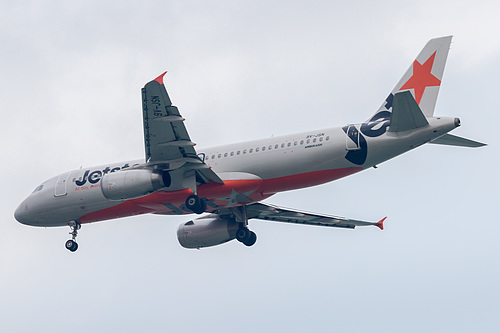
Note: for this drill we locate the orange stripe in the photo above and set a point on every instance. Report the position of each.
(260, 190)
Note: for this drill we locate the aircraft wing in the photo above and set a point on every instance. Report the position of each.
(166, 139)
(269, 212)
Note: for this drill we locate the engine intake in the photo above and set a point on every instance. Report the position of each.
(206, 231)
(129, 184)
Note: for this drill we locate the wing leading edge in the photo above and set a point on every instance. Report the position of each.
(269, 212)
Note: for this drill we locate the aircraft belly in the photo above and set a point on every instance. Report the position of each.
(297, 181)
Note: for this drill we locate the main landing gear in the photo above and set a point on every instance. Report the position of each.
(196, 204)
(246, 236)
(71, 244)
(243, 234)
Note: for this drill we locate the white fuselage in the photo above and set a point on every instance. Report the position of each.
(281, 163)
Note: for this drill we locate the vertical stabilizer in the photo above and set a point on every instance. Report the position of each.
(423, 78)
(406, 115)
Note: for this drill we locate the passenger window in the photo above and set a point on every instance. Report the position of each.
(301, 142)
(218, 156)
(251, 150)
(321, 139)
(276, 147)
(263, 148)
(225, 154)
(213, 156)
(314, 140)
(327, 138)
(308, 140)
(232, 153)
(244, 151)
(282, 145)
(289, 144)
(238, 152)
(257, 149)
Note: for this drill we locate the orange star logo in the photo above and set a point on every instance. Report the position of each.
(422, 78)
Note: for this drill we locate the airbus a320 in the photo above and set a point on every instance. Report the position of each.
(228, 183)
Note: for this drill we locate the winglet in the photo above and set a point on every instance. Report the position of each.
(380, 223)
(159, 79)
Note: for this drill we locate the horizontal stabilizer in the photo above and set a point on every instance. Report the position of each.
(406, 114)
(453, 140)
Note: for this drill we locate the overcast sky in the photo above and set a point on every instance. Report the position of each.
(71, 73)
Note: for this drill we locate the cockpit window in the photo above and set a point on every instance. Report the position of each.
(39, 188)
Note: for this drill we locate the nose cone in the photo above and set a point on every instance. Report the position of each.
(26, 215)
(21, 214)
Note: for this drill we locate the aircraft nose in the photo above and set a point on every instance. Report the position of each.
(21, 214)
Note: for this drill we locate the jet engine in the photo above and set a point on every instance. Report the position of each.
(206, 231)
(129, 184)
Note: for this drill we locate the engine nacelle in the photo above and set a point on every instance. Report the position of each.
(135, 183)
(206, 231)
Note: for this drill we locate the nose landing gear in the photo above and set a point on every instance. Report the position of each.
(71, 244)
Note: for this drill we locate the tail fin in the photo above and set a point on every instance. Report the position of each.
(423, 78)
(406, 115)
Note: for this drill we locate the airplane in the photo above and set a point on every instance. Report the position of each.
(228, 183)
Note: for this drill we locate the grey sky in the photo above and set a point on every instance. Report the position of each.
(71, 74)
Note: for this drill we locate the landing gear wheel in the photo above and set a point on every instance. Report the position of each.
(246, 236)
(242, 234)
(252, 238)
(196, 204)
(71, 245)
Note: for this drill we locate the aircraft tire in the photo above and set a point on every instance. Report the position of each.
(71, 245)
(242, 234)
(196, 204)
(252, 238)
